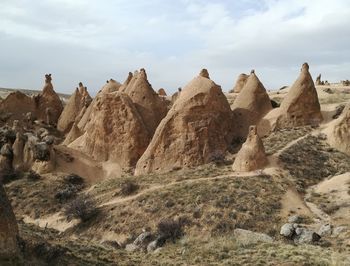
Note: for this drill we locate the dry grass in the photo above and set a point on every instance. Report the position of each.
(311, 159)
(213, 206)
(279, 139)
(187, 251)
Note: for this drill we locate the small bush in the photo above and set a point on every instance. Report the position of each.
(33, 176)
(128, 187)
(73, 179)
(171, 229)
(66, 193)
(82, 207)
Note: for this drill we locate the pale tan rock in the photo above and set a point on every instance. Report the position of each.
(240, 82)
(339, 131)
(6, 159)
(115, 131)
(48, 98)
(252, 154)
(111, 86)
(299, 107)
(150, 106)
(79, 100)
(73, 134)
(18, 152)
(251, 105)
(9, 247)
(197, 129)
(161, 92)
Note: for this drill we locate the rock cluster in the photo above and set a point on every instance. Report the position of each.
(298, 233)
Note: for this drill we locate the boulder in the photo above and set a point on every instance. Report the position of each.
(287, 230)
(325, 229)
(246, 237)
(300, 106)
(114, 132)
(252, 154)
(240, 83)
(305, 236)
(197, 130)
(9, 236)
(251, 105)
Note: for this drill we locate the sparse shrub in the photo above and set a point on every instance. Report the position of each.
(73, 179)
(171, 229)
(83, 207)
(224, 226)
(66, 193)
(128, 187)
(33, 176)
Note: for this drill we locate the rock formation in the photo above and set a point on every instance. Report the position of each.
(318, 80)
(111, 86)
(18, 152)
(150, 106)
(115, 131)
(300, 106)
(252, 154)
(197, 129)
(251, 105)
(9, 247)
(161, 92)
(75, 104)
(44, 158)
(17, 104)
(339, 131)
(241, 81)
(48, 99)
(6, 158)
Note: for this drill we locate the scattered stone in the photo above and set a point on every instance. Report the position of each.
(325, 229)
(287, 230)
(295, 219)
(246, 237)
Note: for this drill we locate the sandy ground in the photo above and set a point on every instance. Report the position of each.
(56, 221)
(337, 188)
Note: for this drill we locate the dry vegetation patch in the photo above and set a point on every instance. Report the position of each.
(215, 206)
(277, 140)
(311, 159)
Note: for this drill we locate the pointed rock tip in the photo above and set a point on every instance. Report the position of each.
(204, 73)
(48, 78)
(305, 67)
(252, 71)
(143, 73)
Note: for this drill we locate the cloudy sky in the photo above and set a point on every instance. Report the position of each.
(91, 41)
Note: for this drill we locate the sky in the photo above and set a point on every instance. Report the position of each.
(92, 41)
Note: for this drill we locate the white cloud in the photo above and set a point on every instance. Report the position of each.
(92, 40)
